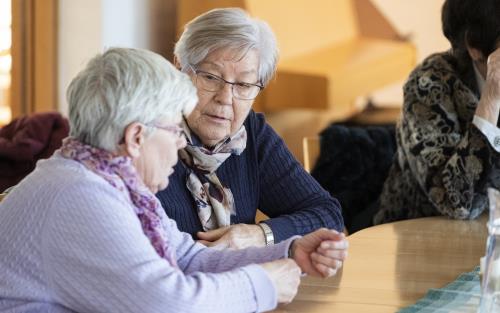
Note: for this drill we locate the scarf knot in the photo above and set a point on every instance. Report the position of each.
(214, 202)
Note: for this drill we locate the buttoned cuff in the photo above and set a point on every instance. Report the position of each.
(491, 132)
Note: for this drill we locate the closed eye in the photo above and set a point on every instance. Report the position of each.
(244, 85)
(208, 76)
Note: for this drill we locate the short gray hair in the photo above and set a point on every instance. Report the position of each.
(121, 86)
(229, 28)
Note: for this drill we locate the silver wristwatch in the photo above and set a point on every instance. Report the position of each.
(268, 233)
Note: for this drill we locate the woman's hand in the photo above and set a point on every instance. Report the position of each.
(489, 104)
(238, 236)
(320, 253)
(285, 275)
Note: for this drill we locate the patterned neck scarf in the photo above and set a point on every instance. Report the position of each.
(120, 173)
(214, 202)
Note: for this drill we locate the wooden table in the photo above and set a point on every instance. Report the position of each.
(391, 266)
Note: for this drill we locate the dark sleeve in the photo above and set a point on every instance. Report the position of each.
(293, 199)
(449, 159)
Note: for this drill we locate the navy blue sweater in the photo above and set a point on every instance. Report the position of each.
(265, 176)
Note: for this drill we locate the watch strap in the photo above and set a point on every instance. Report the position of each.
(268, 233)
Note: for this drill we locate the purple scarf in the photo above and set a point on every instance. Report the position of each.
(120, 173)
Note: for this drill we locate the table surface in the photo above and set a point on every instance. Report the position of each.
(393, 265)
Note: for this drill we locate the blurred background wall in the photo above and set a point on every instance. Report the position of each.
(88, 26)
(53, 39)
(421, 21)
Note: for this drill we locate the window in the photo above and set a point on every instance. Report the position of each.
(5, 60)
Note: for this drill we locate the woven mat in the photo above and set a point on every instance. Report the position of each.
(462, 295)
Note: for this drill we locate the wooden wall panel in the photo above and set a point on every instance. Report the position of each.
(372, 23)
(162, 24)
(34, 56)
(45, 55)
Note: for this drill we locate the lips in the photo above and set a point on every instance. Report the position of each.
(218, 117)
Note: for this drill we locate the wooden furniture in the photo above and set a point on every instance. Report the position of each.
(377, 116)
(391, 266)
(4, 193)
(34, 56)
(311, 149)
(370, 116)
(259, 217)
(330, 51)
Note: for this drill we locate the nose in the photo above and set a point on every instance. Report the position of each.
(225, 95)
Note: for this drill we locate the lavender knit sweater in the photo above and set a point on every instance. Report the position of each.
(70, 243)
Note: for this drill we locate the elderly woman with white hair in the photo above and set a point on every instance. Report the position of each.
(234, 162)
(85, 233)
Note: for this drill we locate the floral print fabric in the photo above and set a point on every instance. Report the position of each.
(443, 164)
(214, 202)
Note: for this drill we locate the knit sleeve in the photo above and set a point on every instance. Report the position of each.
(293, 199)
(195, 257)
(97, 259)
(449, 158)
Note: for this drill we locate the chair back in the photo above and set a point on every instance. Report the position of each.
(4, 193)
(311, 152)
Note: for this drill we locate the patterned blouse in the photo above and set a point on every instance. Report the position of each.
(443, 164)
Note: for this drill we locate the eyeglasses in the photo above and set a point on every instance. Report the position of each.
(213, 83)
(174, 129)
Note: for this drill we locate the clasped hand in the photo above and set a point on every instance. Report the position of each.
(320, 253)
(237, 236)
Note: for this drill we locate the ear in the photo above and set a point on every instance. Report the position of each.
(134, 137)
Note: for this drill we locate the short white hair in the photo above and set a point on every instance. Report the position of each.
(228, 28)
(122, 86)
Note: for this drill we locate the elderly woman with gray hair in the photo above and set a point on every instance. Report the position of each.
(234, 162)
(85, 233)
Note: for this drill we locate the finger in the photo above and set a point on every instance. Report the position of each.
(317, 271)
(218, 245)
(340, 255)
(341, 244)
(204, 242)
(345, 232)
(329, 234)
(208, 243)
(325, 271)
(334, 246)
(212, 235)
(327, 261)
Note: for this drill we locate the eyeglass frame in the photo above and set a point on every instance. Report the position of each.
(174, 129)
(220, 79)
